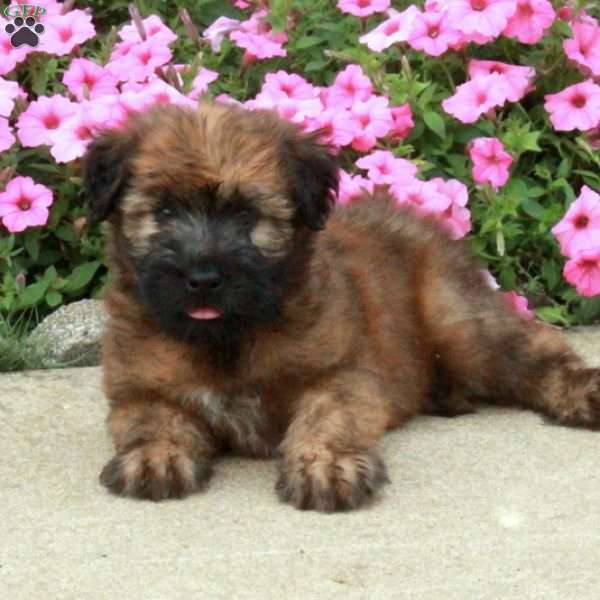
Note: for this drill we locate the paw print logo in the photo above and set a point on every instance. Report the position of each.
(24, 31)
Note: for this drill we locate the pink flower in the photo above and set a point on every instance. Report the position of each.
(395, 29)
(288, 85)
(96, 79)
(217, 31)
(518, 79)
(363, 8)
(423, 196)
(260, 46)
(154, 28)
(584, 48)
(476, 97)
(24, 203)
(403, 121)
(64, 32)
(9, 90)
(140, 61)
(456, 218)
(352, 187)
(485, 18)
(579, 229)
(7, 139)
(583, 272)
(375, 121)
(519, 305)
(384, 168)
(490, 161)
(489, 279)
(157, 91)
(336, 126)
(350, 86)
(432, 34)
(201, 81)
(576, 107)
(42, 117)
(70, 140)
(530, 21)
(10, 56)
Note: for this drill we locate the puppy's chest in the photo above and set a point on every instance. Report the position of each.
(241, 419)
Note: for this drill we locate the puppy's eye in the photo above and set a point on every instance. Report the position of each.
(166, 212)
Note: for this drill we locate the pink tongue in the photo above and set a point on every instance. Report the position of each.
(205, 313)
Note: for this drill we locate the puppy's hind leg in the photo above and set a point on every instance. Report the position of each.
(489, 352)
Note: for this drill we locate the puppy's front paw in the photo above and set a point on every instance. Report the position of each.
(155, 471)
(323, 480)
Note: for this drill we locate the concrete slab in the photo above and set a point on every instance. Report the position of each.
(497, 505)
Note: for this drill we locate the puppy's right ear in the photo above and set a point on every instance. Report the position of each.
(106, 169)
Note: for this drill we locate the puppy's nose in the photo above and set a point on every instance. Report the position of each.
(203, 278)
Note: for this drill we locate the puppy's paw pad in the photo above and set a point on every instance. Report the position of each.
(154, 471)
(327, 481)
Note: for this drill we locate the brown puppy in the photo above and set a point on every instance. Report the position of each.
(235, 325)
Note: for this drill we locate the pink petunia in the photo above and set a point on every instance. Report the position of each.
(490, 161)
(336, 127)
(9, 90)
(422, 196)
(476, 97)
(9, 55)
(153, 27)
(289, 85)
(584, 48)
(518, 79)
(486, 18)
(139, 61)
(259, 46)
(583, 271)
(363, 8)
(531, 21)
(64, 32)
(384, 168)
(157, 91)
(375, 121)
(432, 34)
(455, 218)
(7, 139)
(350, 85)
(71, 139)
(36, 124)
(576, 107)
(519, 304)
(353, 187)
(201, 81)
(579, 229)
(24, 203)
(218, 30)
(403, 121)
(393, 30)
(86, 79)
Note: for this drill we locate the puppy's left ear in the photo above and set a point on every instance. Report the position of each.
(106, 169)
(313, 173)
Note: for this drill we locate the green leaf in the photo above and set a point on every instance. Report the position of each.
(532, 208)
(435, 123)
(32, 294)
(551, 273)
(53, 298)
(32, 243)
(553, 314)
(81, 276)
(307, 41)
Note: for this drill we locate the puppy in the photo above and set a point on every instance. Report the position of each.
(239, 321)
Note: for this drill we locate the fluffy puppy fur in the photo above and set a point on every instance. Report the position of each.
(243, 318)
